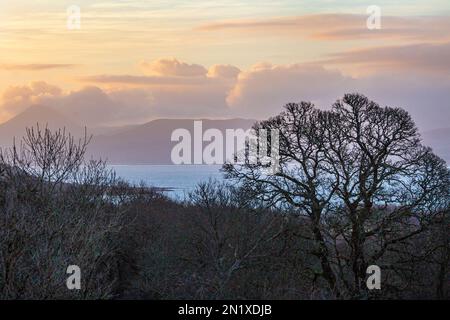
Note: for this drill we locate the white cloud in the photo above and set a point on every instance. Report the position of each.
(173, 67)
(265, 88)
(223, 71)
(224, 91)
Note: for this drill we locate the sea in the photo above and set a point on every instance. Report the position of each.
(178, 180)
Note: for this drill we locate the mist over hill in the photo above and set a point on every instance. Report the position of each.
(151, 143)
(36, 114)
(148, 143)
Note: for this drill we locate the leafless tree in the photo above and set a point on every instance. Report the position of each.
(231, 233)
(55, 212)
(361, 177)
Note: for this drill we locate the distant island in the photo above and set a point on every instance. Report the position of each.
(148, 143)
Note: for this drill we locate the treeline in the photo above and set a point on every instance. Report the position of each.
(373, 197)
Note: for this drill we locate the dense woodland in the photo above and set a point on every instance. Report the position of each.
(355, 188)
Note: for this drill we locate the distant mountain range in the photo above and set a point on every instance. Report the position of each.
(149, 143)
(42, 115)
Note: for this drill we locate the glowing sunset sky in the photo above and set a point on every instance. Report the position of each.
(132, 61)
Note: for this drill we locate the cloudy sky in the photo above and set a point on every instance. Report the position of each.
(132, 61)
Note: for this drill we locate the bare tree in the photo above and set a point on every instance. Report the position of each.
(231, 232)
(360, 176)
(55, 212)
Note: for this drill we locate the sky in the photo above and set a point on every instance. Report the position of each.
(133, 61)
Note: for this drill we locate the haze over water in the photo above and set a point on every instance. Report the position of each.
(180, 179)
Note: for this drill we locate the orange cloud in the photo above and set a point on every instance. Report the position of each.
(265, 88)
(94, 106)
(414, 77)
(424, 57)
(171, 72)
(223, 71)
(144, 80)
(173, 67)
(15, 99)
(35, 67)
(261, 91)
(340, 27)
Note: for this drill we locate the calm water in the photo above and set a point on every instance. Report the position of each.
(180, 178)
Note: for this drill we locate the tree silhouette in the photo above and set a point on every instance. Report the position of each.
(368, 188)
